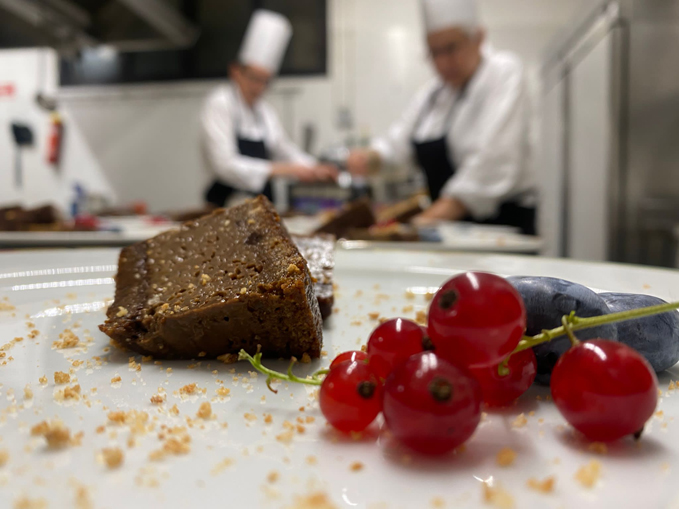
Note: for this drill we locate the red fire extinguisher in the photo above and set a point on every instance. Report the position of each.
(55, 139)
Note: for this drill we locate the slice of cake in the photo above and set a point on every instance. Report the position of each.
(230, 280)
(357, 214)
(319, 252)
(403, 211)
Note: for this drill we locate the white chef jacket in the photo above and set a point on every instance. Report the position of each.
(489, 134)
(225, 112)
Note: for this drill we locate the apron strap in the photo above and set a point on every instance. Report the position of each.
(237, 118)
(429, 106)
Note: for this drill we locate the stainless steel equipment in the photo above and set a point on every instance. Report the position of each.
(610, 148)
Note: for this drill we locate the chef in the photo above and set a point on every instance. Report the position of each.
(468, 130)
(243, 141)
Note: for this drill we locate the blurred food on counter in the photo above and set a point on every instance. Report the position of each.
(319, 252)
(138, 208)
(48, 218)
(403, 211)
(393, 232)
(364, 220)
(357, 214)
(181, 216)
(16, 218)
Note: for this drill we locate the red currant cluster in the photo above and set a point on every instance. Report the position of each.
(430, 383)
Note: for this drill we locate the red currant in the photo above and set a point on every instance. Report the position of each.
(350, 396)
(476, 319)
(604, 389)
(391, 343)
(430, 405)
(501, 390)
(351, 355)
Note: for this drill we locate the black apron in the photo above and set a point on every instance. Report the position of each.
(439, 166)
(219, 192)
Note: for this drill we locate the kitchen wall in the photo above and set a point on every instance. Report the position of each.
(29, 72)
(145, 138)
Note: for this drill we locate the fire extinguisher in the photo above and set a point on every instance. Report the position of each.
(54, 142)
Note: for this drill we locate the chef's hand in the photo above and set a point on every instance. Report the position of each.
(443, 209)
(319, 172)
(326, 172)
(363, 162)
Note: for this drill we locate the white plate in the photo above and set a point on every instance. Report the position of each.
(68, 289)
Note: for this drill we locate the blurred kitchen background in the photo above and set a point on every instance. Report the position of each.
(100, 101)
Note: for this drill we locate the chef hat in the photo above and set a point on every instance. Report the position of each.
(266, 40)
(442, 14)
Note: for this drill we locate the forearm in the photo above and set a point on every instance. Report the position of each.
(364, 162)
(287, 152)
(444, 209)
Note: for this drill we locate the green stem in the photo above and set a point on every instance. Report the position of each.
(503, 367)
(256, 362)
(320, 372)
(566, 321)
(577, 323)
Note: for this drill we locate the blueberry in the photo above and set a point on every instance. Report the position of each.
(655, 337)
(547, 299)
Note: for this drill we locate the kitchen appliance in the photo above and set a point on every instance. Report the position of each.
(23, 137)
(610, 154)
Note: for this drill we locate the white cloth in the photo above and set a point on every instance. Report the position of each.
(441, 14)
(489, 135)
(266, 40)
(224, 112)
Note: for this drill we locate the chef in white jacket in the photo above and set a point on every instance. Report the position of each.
(469, 130)
(242, 139)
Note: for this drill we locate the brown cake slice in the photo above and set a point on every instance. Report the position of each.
(230, 280)
(357, 214)
(401, 212)
(319, 252)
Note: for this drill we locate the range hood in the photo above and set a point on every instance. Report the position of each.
(71, 25)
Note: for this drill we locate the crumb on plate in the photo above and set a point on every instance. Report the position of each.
(55, 433)
(67, 339)
(598, 448)
(158, 399)
(520, 421)
(113, 456)
(505, 457)
(543, 486)
(589, 474)
(496, 496)
(317, 500)
(29, 503)
(204, 411)
(228, 358)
